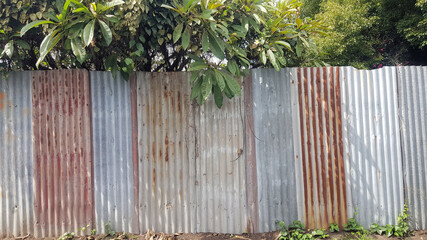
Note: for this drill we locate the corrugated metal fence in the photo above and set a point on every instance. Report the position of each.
(314, 144)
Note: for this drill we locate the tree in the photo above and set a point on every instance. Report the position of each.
(371, 33)
(217, 40)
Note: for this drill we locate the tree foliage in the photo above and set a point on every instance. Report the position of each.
(371, 33)
(218, 40)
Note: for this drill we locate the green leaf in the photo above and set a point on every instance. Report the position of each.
(228, 92)
(112, 18)
(111, 64)
(8, 49)
(23, 44)
(216, 47)
(106, 32)
(206, 87)
(219, 80)
(205, 42)
(218, 96)
(195, 90)
(223, 30)
(194, 76)
(59, 4)
(232, 66)
(65, 8)
(48, 43)
(299, 22)
(111, 4)
(32, 25)
(196, 66)
(129, 61)
(232, 84)
(286, 44)
(298, 49)
(177, 33)
(190, 4)
(88, 32)
(272, 58)
(263, 58)
(186, 38)
(78, 49)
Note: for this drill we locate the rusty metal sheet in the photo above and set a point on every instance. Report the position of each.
(166, 150)
(250, 154)
(412, 86)
(372, 147)
(63, 166)
(16, 156)
(277, 181)
(220, 173)
(321, 154)
(112, 153)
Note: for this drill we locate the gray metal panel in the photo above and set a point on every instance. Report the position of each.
(166, 150)
(112, 153)
(372, 145)
(412, 83)
(273, 127)
(220, 161)
(16, 156)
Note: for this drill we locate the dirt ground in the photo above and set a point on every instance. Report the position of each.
(419, 235)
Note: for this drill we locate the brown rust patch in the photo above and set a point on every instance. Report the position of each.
(2, 95)
(304, 167)
(179, 101)
(167, 148)
(1, 105)
(154, 181)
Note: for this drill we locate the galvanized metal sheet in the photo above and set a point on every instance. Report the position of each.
(220, 167)
(250, 154)
(62, 151)
(275, 161)
(413, 117)
(16, 156)
(372, 145)
(166, 150)
(321, 147)
(112, 153)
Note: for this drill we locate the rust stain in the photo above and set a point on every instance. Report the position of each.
(1, 105)
(153, 152)
(314, 127)
(179, 101)
(304, 168)
(167, 148)
(154, 182)
(323, 168)
(2, 95)
(63, 170)
(320, 84)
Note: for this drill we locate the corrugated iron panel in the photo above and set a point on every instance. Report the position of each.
(372, 147)
(62, 151)
(250, 154)
(16, 156)
(412, 83)
(167, 165)
(112, 153)
(321, 147)
(278, 194)
(220, 172)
